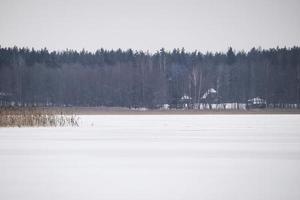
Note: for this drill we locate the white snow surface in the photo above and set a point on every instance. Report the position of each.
(154, 157)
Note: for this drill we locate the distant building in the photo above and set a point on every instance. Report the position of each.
(210, 96)
(208, 93)
(185, 102)
(5, 99)
(256, 102)
(165, 106)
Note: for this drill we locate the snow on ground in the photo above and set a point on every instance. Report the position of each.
(148, 157)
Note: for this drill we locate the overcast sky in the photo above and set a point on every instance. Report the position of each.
(205, 25)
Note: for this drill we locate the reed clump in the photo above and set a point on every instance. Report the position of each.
(34, 117)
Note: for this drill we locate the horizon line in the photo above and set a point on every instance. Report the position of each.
(148, 51)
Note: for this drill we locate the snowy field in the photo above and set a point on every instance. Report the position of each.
(148, 157)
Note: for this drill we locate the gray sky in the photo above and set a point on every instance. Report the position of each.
(205, 25)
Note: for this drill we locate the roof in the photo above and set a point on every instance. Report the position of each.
(209, 91)
(186, 97)
(257, 100)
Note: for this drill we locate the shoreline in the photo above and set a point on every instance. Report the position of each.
(127, 111)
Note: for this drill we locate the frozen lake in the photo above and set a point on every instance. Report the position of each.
(148, 157)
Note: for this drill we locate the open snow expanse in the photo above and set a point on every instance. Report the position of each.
(154, 157)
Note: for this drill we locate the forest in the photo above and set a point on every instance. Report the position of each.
(128, 78)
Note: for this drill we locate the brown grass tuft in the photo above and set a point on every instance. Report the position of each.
(34, 117)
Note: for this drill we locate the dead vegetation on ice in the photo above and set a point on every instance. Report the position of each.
(34, 117)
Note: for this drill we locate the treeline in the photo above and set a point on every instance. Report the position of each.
(139, 79)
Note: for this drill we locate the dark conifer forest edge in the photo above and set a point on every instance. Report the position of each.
(127, 78)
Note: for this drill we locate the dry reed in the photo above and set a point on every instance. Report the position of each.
(34, 117)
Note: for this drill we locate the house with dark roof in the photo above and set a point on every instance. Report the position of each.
(185, 102)
(256, 102)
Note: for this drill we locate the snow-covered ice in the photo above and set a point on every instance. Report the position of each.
(154, 157)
